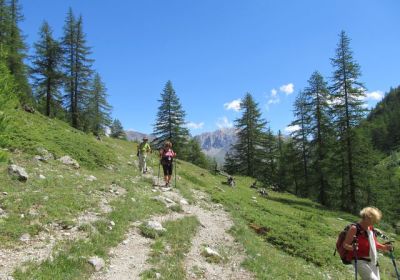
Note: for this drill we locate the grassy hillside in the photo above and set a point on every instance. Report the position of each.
(27, 132)
(298, 245)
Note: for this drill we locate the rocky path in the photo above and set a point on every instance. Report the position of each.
(129, 259)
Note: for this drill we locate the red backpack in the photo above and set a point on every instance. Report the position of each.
(343, 253)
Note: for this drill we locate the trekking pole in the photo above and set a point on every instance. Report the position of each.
(158, 175)
(176, 165)
(355, 255)
(381, 234)
(394, 263)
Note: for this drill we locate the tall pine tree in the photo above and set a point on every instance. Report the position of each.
(317, 95)
(98, 108)
(16, 50)
(46, 71)
(347, 94)
(170, 122)
(301, 138)
(78, 69)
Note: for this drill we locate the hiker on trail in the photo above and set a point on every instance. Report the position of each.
(166, 158)
(143, 149)
(363, 244)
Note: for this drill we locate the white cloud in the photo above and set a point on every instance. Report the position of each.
(224, 123)
(292, 128)
(335, 101)
(233, 105)
(194, 125)
(288, 89)
(273, 98)
(374, 95)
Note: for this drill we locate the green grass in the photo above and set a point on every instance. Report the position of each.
(298, 245)
(168, 250)
(27, 132)
(71, 260)
(302, 232)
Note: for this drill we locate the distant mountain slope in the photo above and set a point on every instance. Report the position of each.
(137, 136)
(216, 144)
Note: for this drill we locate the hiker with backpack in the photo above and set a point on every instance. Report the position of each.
(361, 244)
(143, 149)
(166, 159)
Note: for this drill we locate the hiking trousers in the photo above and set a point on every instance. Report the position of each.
(367, 270)
(142, 162)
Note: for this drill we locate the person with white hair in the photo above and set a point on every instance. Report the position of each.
(362, 244)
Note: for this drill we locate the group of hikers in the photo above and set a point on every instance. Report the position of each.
(357, 244)
(166, 154)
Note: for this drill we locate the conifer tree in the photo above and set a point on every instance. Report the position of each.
(170, 122)
(300, 137)
(16, 51)
(316, 96)
(46, 71)
(98, 108)
(281, 164)
(270, 157)
(5, 23)
(77, 65)
(347, 93)
(195, 155)
(117, 130)
(246, 155)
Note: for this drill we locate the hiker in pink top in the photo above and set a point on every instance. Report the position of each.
(166, 158)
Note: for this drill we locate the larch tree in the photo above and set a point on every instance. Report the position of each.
(270, 157)
(46, 71)
(98, 108)
(77, 65)
(347, 99)
(301, 137)
(317, 98)
(16, 51)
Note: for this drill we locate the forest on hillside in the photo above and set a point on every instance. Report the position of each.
(339, 154)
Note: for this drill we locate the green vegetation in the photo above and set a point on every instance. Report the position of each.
(168, 250)
(28, 132)
(301, 232)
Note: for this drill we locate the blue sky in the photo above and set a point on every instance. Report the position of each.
(214, 51)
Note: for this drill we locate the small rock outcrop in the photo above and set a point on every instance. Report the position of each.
(19, 172)
(97, 263)
(91, 178)
(67, 160)
(44, 155)
(155, 226)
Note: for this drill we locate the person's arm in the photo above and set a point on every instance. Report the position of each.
(383, 247)
(348, 242)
